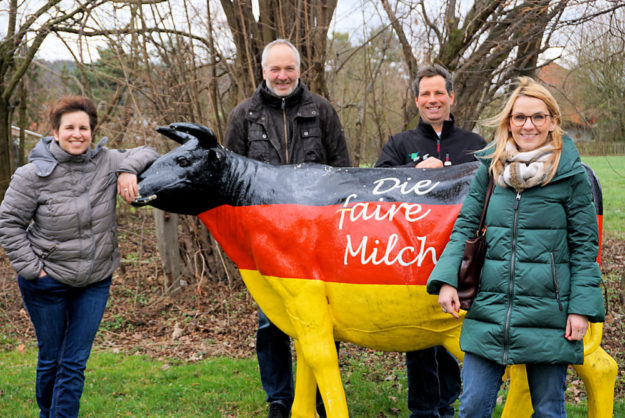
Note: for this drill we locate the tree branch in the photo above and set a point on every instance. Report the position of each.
(411, 61)
(430, 24)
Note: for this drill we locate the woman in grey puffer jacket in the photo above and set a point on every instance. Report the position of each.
(57, 226)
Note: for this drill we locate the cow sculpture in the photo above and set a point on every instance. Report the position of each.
(337, 253)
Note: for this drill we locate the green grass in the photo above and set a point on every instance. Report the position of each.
(611, 173)
(121, 385)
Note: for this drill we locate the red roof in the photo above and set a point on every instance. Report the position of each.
(565, 86)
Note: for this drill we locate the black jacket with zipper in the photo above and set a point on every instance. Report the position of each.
(408, 148)
(302, 127)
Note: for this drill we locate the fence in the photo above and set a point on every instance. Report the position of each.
(600, 148)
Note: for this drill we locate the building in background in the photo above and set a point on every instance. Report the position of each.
(578, 121)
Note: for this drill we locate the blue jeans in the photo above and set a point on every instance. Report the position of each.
(66, 320)
(273, 350)
(482, 379)
(433, 382)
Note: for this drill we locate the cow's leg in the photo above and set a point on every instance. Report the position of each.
(311, 318)
(304, 404)
(320, 355)
(599, 374)
(518, 403)
(452, 345)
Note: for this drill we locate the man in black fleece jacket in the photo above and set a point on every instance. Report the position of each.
(433, 373)
(436, 142)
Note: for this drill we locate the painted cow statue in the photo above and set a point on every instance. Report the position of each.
(337, 254)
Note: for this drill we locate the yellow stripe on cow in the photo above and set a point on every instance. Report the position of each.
(354, 312)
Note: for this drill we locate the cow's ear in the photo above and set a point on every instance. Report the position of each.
(179, 137)
(216, 155)
(204, 134)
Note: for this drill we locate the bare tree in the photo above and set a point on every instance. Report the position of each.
(599, 60)
(487, 45)
(24, 35)
(367, 81)
(169, 71)
(304, 22)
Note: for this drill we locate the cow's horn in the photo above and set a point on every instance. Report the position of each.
(178, 136)
(204, 134)
(142, 201)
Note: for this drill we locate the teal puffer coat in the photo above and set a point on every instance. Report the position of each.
(540, 267)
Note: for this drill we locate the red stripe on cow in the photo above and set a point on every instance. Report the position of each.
(600, 225)
(360, 243)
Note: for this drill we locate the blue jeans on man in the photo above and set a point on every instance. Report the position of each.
(433, 382)
(66, 320)
(482, 380)
(273, 349)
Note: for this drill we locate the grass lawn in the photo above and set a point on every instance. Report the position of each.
(122, 385)
(611, 173)
(119, 385)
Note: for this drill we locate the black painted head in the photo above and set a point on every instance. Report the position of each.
(185, 179)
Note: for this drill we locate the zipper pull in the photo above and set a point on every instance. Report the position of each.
(447, 163)
(283, 103)
(518, 199)
(555, 285)
(558, 298)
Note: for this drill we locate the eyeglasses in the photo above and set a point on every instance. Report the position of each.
(538, 119)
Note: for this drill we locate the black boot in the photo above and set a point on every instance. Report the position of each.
(278, 410)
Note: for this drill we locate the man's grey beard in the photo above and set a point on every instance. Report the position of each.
(282, 95)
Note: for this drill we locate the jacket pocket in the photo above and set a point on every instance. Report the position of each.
(554, 275)
(49, 252)
(312, 145)
(259, 146)
(44, 253)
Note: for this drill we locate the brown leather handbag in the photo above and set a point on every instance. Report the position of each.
(473, 258)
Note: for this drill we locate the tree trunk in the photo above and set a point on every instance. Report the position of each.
(21, 157)
(5, 148)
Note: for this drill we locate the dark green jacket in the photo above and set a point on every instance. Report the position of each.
(540, 267)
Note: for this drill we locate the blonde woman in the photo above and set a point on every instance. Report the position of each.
(540, 282)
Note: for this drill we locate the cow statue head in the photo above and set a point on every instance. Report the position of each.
(186, 179)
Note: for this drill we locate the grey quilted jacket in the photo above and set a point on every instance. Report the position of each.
(70, 200)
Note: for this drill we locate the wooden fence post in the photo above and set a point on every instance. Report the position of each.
(167, 241)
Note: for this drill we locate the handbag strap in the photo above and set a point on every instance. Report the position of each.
(489, 192)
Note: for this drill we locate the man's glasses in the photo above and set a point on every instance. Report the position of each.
(538, 119)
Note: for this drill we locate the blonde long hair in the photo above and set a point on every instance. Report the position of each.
(528, 87)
